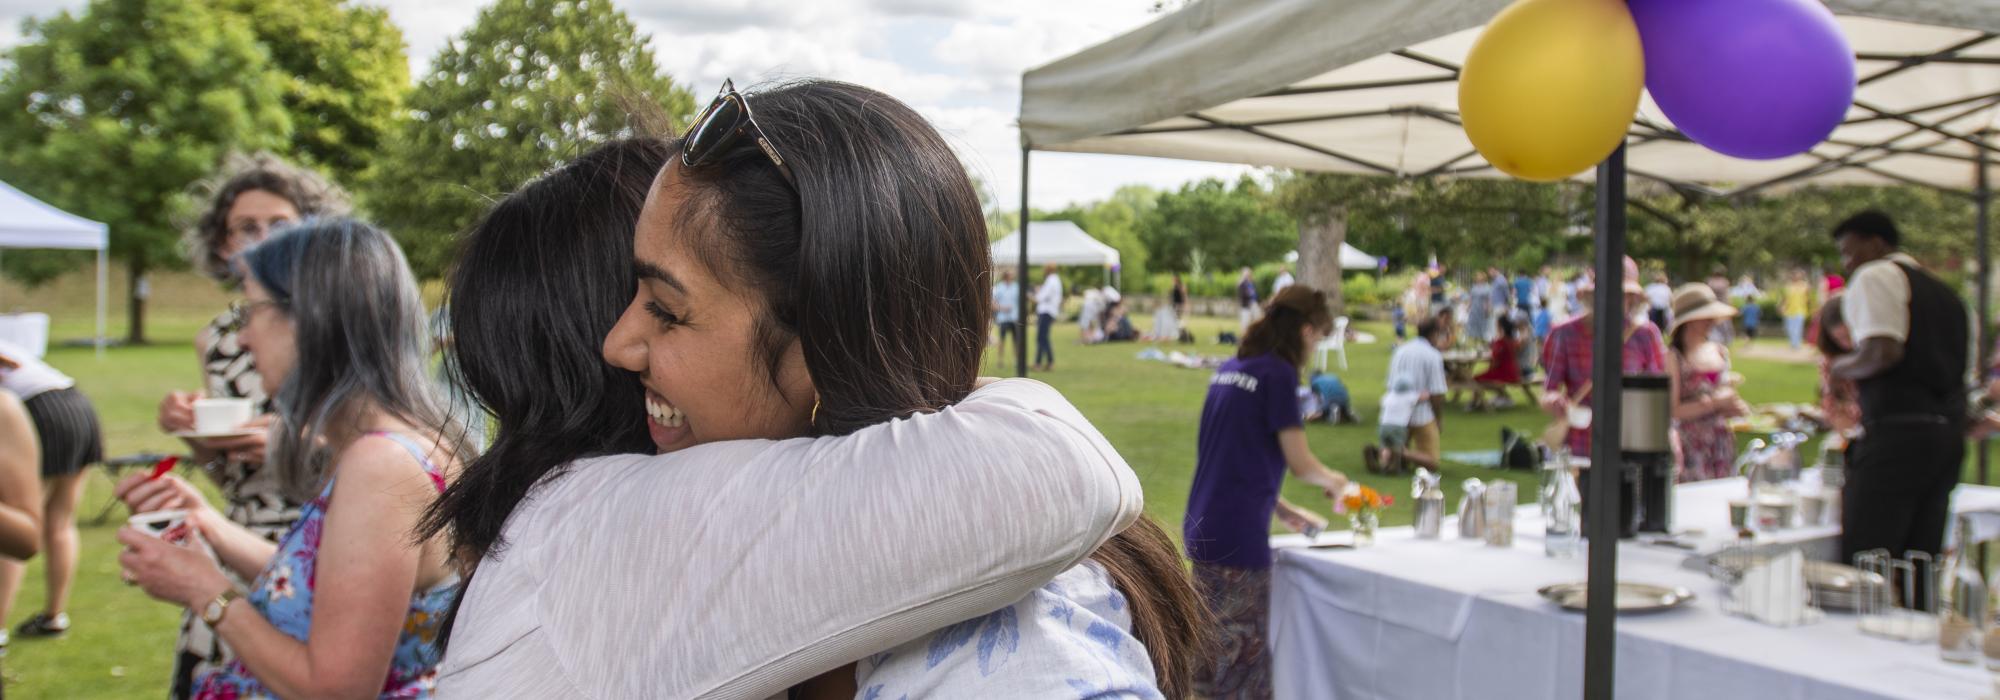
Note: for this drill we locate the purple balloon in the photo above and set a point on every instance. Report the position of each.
(1757, 79)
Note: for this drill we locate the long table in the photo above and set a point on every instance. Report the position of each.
(1452, 618)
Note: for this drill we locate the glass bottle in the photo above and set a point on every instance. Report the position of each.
(1963, 609)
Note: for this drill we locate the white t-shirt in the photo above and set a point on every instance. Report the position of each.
(33, 378)
(739, 569)
(1398, 406)
(1284, 280)
(1049, 297)
(1877, 301)
(1659, 296)
(1423, 366)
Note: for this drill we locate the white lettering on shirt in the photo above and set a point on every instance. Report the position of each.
(1236, 379)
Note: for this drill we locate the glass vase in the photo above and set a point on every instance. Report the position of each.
(1364, 523)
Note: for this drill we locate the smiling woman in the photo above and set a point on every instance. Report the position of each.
(845, 302)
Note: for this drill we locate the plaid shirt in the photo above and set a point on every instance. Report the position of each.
(1566, 361)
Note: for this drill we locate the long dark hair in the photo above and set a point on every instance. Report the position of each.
(554, 257)
(1278, 331)
(359, 326)
(878, 264)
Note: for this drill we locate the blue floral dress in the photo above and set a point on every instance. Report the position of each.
(1069, 639)
(283, 594)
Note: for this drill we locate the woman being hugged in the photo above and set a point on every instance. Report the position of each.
(346, 604)
(822, 273)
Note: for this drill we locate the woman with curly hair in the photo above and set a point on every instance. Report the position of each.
(250, 197)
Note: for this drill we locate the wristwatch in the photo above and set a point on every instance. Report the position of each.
(212, 613)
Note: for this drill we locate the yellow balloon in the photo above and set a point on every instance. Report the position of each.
(1551, 86)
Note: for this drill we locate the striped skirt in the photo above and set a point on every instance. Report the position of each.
(66, 424)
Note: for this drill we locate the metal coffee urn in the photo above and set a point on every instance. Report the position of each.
(1646, 413)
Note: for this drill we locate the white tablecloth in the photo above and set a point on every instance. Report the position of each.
(1437, 620)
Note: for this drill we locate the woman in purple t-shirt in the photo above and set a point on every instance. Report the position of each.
(1250, 436)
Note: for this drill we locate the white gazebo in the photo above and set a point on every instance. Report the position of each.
(1370, 86)
(1058, 242)
(26, 222)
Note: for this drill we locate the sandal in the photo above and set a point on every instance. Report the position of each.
(43, 625)
(1371, 459)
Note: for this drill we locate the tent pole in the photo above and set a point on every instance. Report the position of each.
(103, 270)
(1607, 375)
(1028, 317)
(1982, 210)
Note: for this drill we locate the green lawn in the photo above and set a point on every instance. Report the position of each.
(121, 642)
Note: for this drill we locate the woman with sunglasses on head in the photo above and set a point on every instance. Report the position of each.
(347, 603)
(736, 566)
(252, 196)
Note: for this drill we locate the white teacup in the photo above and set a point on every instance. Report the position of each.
(220, 415)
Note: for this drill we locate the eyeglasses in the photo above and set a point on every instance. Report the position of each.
(718, 127)
(241, 309)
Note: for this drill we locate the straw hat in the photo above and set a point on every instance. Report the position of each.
(1696, 302)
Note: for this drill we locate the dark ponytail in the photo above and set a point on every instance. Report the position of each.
(555, 257)
(877, 264)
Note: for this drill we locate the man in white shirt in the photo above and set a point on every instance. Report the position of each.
(1284, 280)
(1911, 353)
(1659, 297)
(1048, 305)
(1419, 362)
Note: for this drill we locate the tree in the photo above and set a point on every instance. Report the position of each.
(112, 113)
(345, 76)
(1224, 227)
(531, 84)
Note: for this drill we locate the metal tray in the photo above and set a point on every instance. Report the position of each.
(1633, 598)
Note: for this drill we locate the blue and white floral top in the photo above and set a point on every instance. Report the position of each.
(1070, 639)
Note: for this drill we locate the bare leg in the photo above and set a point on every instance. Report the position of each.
(1418, 459)
(11, 571)
(59, 537)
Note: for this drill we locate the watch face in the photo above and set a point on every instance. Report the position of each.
(213, 612)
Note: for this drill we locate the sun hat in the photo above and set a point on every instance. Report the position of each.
(1696, 302)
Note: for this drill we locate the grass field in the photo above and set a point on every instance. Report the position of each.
(119, 646)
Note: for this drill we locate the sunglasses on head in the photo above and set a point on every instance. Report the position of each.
(720, 125)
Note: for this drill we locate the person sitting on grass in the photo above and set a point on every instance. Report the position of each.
(1329, 400)
(1392, 456)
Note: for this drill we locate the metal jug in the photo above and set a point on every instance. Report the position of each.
(1430, 504)
(1472, 511)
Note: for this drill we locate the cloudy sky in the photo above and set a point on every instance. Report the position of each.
(957, 61)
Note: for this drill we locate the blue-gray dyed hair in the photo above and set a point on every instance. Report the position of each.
(359, 325)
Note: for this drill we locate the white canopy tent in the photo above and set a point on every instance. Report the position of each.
(1370, 86)
(1351, 258)
(1059, 242)
(26, 222)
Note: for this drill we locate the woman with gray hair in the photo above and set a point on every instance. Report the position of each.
(347, 603)
(250, 197)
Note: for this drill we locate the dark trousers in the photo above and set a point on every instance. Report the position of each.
(1045, 353)
(1008, 328)
(1898, 491)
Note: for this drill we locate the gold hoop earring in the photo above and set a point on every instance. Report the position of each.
(814, 420)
